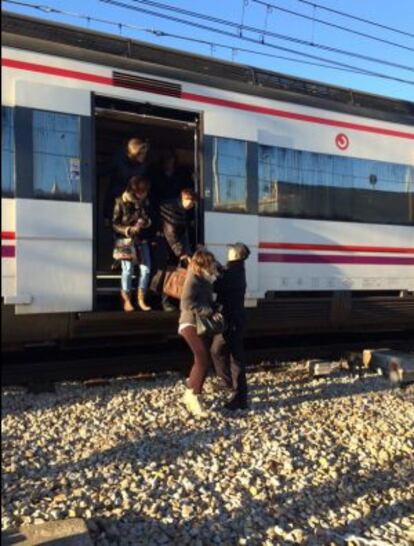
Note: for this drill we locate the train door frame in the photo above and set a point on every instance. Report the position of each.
(198, 135)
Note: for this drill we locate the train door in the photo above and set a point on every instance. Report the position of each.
(165, 130)
(53, 204)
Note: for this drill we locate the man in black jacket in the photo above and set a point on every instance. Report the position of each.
(227, 349)
(175, 217)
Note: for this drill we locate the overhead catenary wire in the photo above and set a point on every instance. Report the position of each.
(243, 37)
(256, 30)
(357, 18)
(272, 5)
(249, 39)
(160, 33)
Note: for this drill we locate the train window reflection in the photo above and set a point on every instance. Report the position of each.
(7, 151)
(56, 155)
(229, 174)
(313, 185)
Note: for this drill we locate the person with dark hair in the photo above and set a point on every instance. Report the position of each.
(197, 300)
(175, 224)
(130, 161)
(131, 223)
(170, 178)
(227, 349)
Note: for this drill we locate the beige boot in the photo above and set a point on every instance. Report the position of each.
(193, 403)
(126, 301)
(141, 301)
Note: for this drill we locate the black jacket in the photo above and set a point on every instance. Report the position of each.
(231, 289)
(168, 187)
(127, 212)
(175, 224)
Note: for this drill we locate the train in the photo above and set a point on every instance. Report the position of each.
(317, 180)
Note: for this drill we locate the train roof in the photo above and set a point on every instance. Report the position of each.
(74, 42)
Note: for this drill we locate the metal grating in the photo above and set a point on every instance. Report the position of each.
(271, 80)
(122, 79)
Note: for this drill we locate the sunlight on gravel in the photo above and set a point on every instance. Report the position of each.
(314, 461)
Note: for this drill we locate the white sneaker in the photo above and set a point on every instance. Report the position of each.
(193, 403)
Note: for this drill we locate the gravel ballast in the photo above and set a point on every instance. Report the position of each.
(314, 461)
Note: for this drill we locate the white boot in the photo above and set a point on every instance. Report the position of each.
(193, 403)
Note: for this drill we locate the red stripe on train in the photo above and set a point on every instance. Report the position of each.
(53, 71)
(339, 248)
(334, 259)
(296, 116)
(64, 73)
(8, 235)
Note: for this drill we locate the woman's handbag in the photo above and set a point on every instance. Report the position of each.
(174, 282)
(211, 326)
(124, 249)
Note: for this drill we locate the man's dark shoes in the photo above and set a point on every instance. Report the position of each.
(237, 402)
(219, 385)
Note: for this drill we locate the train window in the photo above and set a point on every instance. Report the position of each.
(312, 185)
(56, 155)
(7, 151)
(229, 174)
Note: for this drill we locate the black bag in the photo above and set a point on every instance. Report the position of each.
(211, 326)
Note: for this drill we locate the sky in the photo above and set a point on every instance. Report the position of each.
(397, 13)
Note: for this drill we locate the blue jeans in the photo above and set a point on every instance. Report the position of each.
(144, 269)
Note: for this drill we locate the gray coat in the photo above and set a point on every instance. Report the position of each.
(196, 298)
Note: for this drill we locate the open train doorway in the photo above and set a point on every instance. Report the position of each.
(166, 131)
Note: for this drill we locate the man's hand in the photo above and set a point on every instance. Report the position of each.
(132, 231)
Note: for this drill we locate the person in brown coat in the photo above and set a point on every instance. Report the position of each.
(131, 222)
(197, 300)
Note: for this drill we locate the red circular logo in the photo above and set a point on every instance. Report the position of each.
(342, 141)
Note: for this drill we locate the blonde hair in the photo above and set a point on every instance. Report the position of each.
(203, 262)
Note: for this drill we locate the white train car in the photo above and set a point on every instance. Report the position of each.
(317, 180)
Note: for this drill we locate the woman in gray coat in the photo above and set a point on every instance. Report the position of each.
(197, 299)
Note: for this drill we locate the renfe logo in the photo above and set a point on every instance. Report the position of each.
(342, 141)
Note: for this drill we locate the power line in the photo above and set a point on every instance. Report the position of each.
(249, 39)
(356, 18)
(237, 25)
(270, 5)
(161, 33)
(259, 31)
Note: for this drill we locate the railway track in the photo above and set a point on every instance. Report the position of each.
(40, 367)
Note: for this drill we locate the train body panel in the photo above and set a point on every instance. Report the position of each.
(8, 248)
(49, 244)
(225, 114)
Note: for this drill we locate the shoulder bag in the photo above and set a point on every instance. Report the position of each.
(211, 326)
(174, 282)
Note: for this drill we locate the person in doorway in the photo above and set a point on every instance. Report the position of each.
(131, 223)
(175, 227)
(227, 349)
(170, 178)
(197, 299)
(132, 160)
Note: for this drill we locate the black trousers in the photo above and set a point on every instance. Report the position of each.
(227, 352)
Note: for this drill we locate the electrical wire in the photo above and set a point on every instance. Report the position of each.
(164, 34)
(356, 18)
(248, 39)
(161, 33)
(255, 30)
(271, 5)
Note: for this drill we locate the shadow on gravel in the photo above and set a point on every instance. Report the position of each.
(287, 511)
(261, 401)
(17, 402)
